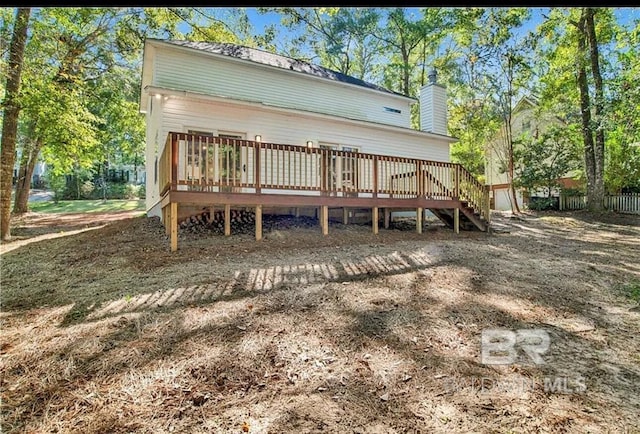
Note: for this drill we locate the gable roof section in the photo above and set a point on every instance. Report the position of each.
(532, 102)
(286, 63)
(524, 102)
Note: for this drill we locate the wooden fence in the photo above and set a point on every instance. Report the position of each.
(623, 203)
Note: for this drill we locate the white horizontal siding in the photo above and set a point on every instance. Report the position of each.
(155, 143)
(181, 115)
(202, 73)
(496, 161)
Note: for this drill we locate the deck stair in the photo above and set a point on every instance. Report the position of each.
(470, 219)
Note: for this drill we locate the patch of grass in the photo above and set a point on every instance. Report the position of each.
(71, 206)
(632, 290)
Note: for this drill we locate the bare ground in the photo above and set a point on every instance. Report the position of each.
(104, 330)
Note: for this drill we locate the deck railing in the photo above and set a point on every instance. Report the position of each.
(217, 164)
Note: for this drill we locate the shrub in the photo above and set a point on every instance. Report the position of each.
(86, 189)
(57, 183)
(573, 192)
(131, 191)
(120, 191)
(543, 203)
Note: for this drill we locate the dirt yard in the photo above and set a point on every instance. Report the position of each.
(104, 330)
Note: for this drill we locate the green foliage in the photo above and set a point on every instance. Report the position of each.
(78, 184)
(486, 72)
(81, 81)
(81, 187)
(622, 158)
(214, 25)
(410, 40)
(82, 183)
(622, 170)
(474, 123)
(543, 160)
(543, 203)
(81, 86)
(86, 189)
(631, 290)
(564, 56)
(56, 183)
(573, 192)
(125, 191)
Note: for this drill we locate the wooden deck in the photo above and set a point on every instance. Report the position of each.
(216, 171)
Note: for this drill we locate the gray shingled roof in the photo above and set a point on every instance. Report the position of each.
(266, 58)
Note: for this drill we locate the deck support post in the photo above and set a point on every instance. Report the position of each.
(456, 220)
(258, 222)
(174, 226)
(374, 218)
(387, 218)
(166, 220)
(345, 216)
(324, 216)
(297, 212)
(227, 220)
(212, 211)
(419, 215)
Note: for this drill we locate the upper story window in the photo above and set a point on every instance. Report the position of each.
(392, 110)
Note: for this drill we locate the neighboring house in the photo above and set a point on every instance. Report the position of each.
(229, 125)
(524, 121)
(39, 172)
(128, 173)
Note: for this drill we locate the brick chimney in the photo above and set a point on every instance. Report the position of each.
(433, 106)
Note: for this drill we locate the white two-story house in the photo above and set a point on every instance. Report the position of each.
(231, 125)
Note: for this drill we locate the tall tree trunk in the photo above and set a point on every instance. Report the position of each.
(21, 180)
(22, 176)
(424, 62)
(515, 208)
(596, 202)
(10, 120)
(585, 109)
(406, 70)
(135, 168)
(27, 167)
